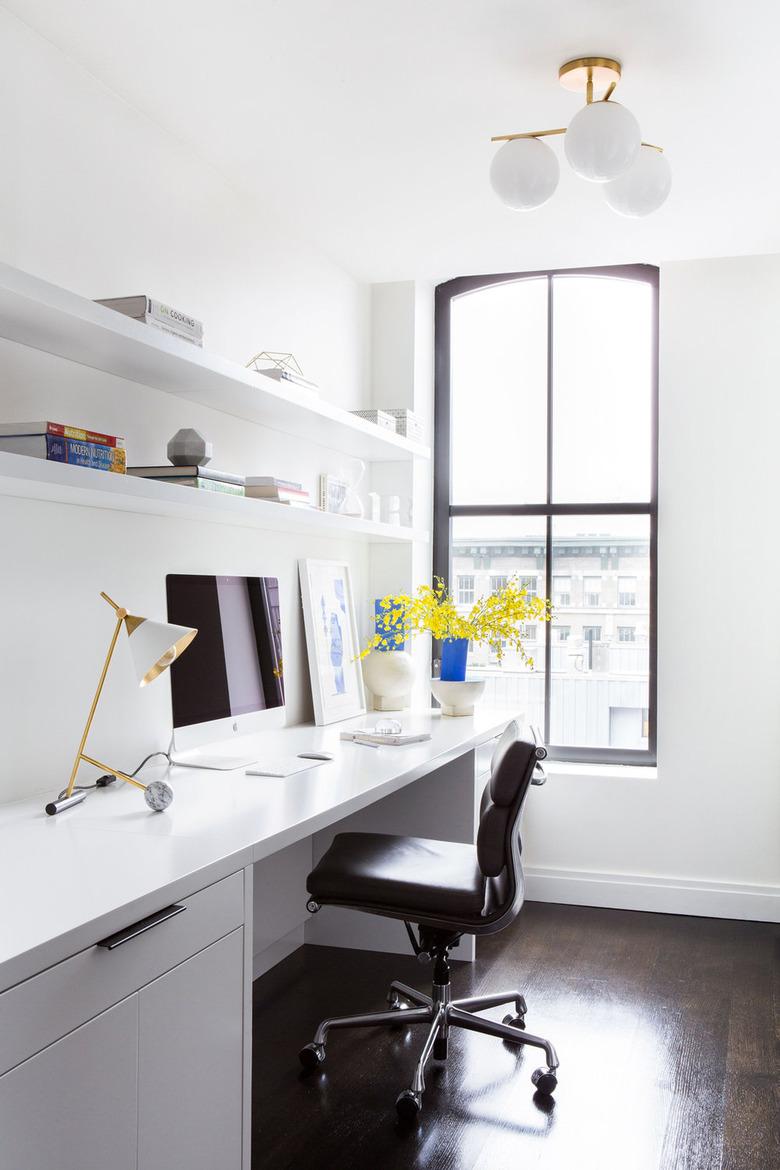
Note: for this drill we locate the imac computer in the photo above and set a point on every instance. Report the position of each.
(230, 684)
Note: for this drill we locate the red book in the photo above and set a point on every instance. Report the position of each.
(8, 430)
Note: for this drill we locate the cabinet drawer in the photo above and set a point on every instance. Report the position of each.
(482, 757)
(46, 1007)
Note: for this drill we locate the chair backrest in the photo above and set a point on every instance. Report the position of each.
(498, 840)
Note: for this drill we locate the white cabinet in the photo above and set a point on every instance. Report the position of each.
(133, 1054)
(74, 1105)
(190, 1063)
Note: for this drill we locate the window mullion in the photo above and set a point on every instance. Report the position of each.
(548, 545)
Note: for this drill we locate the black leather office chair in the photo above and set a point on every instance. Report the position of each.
(447, 889)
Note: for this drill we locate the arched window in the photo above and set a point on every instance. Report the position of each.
(546, 469)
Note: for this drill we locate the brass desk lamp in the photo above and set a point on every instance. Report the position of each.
(153, 646)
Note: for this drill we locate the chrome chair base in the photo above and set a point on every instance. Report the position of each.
(441, 1014)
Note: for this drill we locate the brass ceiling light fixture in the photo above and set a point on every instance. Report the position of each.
(602, 144)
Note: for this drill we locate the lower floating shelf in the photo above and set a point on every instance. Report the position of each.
(39, 479)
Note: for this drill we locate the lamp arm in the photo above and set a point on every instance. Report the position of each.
(113, 771)
(121, 613)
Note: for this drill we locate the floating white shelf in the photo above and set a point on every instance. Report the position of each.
(39, 479)
(43, 316)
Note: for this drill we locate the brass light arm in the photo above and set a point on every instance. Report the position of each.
(527, 134)
(113, 771)
(120, 617)
(546, 133)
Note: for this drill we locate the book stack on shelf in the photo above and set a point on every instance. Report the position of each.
(280, 491)
(206, 479)
(62, 443)
(151, 312)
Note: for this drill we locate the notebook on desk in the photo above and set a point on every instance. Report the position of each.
(381, 738)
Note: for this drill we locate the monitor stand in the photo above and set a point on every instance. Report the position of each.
(204, 759)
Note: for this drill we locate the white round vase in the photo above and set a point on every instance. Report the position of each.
(457, 698)
(389, 675)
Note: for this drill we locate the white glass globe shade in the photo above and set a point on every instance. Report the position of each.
(643, 187)
(602, 141)
(524, 173)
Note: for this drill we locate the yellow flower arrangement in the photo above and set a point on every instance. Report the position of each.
(495, 619)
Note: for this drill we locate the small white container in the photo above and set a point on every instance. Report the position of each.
(457, 698)
(380, 418)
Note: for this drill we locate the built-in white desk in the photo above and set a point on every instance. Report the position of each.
(68, 882)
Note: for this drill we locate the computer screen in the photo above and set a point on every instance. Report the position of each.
(234, 666)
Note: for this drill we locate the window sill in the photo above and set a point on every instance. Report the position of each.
(556, 768)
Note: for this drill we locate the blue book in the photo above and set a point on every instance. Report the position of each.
(60, 449)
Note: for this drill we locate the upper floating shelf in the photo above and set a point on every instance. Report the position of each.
(43, 316)
(59, 483)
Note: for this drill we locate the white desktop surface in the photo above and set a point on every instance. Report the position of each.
(67, 881)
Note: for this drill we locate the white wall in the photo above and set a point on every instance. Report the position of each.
(705, 835)
(97, 198)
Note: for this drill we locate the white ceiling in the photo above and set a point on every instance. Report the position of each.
(367, 124)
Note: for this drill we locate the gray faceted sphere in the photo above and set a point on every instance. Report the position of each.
(158, 795)
(189, 448)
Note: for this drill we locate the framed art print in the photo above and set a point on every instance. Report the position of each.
(331, 641)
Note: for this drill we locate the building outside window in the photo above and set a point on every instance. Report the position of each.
(497, 583)
(465, 592)
(561, 591)
(529, 584)
(627, 591)
(570, 359)
(592, 591)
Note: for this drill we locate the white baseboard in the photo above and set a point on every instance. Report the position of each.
(266, 959)
(624, 891)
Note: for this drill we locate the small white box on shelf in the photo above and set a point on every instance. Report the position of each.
(406, 423)
(380, 418)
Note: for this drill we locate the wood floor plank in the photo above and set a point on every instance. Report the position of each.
(664, 1027)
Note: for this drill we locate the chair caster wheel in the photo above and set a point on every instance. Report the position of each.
(545, 1080)
(408, 1105)
(514, 1021)
(312, 1056)
(440, 1048)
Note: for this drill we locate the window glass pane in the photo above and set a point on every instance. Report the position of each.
(498, 369)
(600, 669)
(485, 548)
(602, 389)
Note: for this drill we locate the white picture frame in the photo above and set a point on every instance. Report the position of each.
(331, 641)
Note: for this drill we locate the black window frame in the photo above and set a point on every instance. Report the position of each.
(444, 511)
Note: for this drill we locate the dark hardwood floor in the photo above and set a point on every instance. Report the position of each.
(667, 1031)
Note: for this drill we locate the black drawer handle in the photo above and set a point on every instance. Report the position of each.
(140, 927)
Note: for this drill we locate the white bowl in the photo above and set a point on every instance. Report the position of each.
(457, 698)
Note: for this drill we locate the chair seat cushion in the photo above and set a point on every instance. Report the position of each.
(399, 873)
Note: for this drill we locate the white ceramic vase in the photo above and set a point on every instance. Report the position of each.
(457, 698)
(389, 675)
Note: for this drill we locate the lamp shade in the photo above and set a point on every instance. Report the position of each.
(643, 187)
(524, 173)
(155, 645)
(602, 141)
